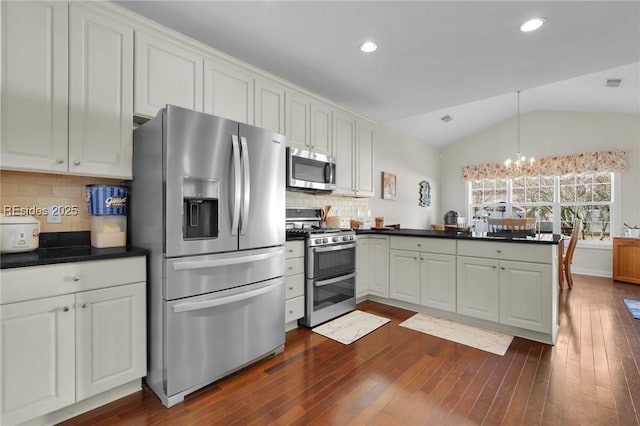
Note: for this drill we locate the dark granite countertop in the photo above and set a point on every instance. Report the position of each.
(464, 235)
(64, 247)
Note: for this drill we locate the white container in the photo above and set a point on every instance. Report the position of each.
(634, 232)
(108, 231)
(19, 234)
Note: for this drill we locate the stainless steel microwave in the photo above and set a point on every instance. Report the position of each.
(310, 171)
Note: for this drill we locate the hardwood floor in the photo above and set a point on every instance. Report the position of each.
(396, 376)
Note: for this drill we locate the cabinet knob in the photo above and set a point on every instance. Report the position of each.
(290, 288)
(76, 163)
(60, 160)
(419, 245)
(76, 278)
(415, 258)
(290, 267)
(502, 267)
(422, 258)
(290, 251)
(85, 306)
(494, 267)
(65, 309)
(499, 251)
(290, 311)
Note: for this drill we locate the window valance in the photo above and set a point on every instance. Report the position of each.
(589, 162)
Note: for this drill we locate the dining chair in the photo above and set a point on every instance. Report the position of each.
(571, 248)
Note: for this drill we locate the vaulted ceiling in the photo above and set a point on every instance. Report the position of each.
(461, 58)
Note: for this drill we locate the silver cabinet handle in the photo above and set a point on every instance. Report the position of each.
(60, 160)
(76, 163)
(76, 278)
(85, 306)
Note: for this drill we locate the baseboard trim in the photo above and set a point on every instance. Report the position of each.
(594, 272)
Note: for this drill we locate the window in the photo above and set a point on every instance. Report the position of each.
(554, 201)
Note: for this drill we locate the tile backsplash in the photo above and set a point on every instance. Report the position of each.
(29, 193)
(340, 206)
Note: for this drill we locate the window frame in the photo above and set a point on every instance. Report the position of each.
(556, 205)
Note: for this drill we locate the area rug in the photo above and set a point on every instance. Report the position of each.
(476, 337)
(350, 327)
(634, 307)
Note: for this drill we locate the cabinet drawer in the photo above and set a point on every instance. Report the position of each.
(431, 245)
(293, 286)
(538, 253)
(294, 309)
(293, 249)
(36, 282)
(294, 266)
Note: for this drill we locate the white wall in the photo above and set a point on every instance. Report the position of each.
(411, 161)
(544, 134)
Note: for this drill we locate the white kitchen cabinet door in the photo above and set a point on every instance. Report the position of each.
(363, 266)
(320, 127)
(364, 159)
(404, 276)
(100, 94)
(379, 266)
(269, 106)
(343, 149)
(34, 110)
(228, 91)
(38, 357)
(478, 288)
(165, 73)
(111, 338)
(298, 120)
(438, 281)
(525, 295)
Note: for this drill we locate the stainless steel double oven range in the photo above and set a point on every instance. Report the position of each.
(330, 266)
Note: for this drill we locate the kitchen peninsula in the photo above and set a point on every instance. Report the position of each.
(505, 284)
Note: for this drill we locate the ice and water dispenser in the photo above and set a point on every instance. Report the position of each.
(200, 208)
(107, 206)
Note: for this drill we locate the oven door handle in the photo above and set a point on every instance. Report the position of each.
(209, 303)
(334, 248)
(333, 280)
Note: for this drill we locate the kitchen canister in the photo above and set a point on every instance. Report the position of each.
(107, 205)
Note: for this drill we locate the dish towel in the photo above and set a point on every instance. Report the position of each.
(634, 307)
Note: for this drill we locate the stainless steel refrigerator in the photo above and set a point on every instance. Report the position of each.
(208, 201)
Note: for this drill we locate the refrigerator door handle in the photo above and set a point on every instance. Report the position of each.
(247, 185)
(227, 261)
(204, 304)
(236, 190)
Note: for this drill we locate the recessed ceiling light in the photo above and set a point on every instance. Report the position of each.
(614, 82)
(368, 47)
(532, 25)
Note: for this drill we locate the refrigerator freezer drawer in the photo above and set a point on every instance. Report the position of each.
(208, 337)
(189, 276)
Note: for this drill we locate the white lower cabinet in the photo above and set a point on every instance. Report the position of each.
(438, 281)
(363, 267)
(294, 281)
(38, 357)
(517, 294)
(72, 344)
(404, 269)
(478, 288)
(379, 266)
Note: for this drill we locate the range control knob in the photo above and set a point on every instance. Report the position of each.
(318, 241)
(335, 239)
(325, 240)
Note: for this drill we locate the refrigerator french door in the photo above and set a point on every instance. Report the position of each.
(224, 184)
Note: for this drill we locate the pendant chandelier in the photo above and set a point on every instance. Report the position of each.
(521, 159)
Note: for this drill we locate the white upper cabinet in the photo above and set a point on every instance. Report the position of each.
(228, 91)
(364, 159)
(67, 92)
(100, 94)
(343, 149)
(298, 120)
(34, 86)
(320, 127)
(166, 73)
(269, 106)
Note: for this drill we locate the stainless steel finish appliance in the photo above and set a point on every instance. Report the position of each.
(310, 171)
(207, 201)
(330, 267)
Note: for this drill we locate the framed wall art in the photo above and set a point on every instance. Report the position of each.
(388, 186)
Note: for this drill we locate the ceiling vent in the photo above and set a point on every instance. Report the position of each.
(614, 82)
(447, 118)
